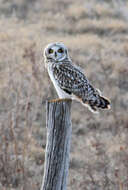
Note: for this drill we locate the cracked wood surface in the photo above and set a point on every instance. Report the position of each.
(58, 145)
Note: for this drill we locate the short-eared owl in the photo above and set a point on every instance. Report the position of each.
(69, 80)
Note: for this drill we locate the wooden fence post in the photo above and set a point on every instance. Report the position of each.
(58, 144)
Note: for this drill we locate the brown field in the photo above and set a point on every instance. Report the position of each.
(96, 33)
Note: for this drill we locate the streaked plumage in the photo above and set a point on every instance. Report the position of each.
(69, 80)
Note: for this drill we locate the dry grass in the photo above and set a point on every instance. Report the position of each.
(97, 34)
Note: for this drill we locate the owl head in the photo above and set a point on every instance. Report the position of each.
(56, 52)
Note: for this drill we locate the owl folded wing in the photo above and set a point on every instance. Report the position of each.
(71, 80)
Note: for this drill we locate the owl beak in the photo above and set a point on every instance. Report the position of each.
(55, 54)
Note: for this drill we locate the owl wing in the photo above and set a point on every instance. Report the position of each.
(72, 80)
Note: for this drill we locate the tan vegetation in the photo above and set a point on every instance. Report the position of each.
(96, 33)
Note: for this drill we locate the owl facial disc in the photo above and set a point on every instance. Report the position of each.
(56, 52)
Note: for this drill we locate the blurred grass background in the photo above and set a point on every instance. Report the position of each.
(96, 33)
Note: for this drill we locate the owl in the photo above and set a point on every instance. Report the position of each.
(69, 80)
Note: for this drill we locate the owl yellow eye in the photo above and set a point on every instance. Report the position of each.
(50, 51)
(60, 50)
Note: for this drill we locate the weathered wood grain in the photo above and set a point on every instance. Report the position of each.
(58, 145)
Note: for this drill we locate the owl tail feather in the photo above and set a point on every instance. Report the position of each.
(100, 102)
(104, 103)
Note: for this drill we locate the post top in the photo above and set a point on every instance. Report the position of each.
(59, 100)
